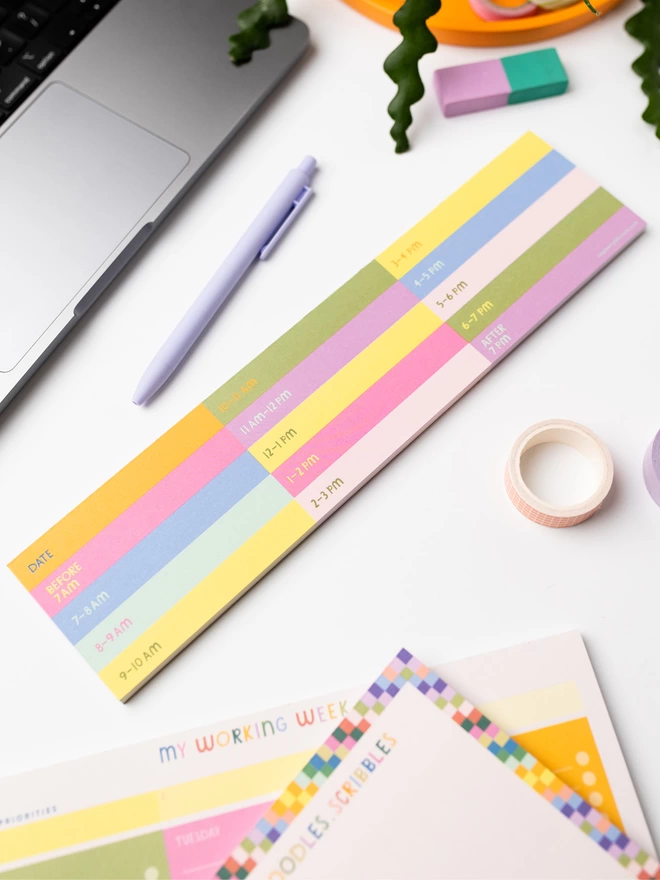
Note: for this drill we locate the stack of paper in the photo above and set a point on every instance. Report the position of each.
(417, 782)
(399, 788)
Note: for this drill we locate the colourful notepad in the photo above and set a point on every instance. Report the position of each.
(149, 560)
(417, 782)
(178, 806)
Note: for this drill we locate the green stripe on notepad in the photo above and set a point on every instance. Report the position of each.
(300, 341)
(117, 860)
(527, 270)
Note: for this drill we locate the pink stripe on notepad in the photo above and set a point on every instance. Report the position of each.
(196, 850)
(363, 414)
(511, 243)
(141, 518)
(394, 432)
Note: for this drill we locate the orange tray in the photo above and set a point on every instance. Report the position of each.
(459, 25)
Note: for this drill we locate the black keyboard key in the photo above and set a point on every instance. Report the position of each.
(27, 22)
(10, 46)
(34, 37)
(40, 56)
(91, 10)
(16, 83)
(65, 31)
(78, 7)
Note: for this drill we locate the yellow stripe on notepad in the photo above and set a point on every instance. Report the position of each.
(148, 810)
(451, 214)
(533, 709)
(321, 407)
(70, 829)
(205, 602)
(231, 786)
(115, 496)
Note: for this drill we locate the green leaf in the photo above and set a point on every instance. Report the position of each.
(402, 66)
(645, 27)
(254, 25)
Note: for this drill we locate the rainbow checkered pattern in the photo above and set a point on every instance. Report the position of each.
(408, 670)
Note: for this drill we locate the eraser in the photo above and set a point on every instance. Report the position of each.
(484, 85)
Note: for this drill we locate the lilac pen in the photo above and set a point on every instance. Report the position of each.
(267, 229)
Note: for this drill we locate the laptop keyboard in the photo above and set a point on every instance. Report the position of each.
(35, 37)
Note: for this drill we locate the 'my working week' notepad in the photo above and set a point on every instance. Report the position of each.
(151, 558)
(417, 782)
(177, 807)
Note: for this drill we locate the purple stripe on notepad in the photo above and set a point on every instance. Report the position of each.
(559, 284)
(322, 364)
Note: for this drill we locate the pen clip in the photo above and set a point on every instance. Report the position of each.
(298, 204)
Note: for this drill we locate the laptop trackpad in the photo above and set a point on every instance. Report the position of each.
(75, 179)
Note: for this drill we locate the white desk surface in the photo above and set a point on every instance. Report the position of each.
(431, 553)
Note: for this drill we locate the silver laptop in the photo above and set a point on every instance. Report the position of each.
(109, 111)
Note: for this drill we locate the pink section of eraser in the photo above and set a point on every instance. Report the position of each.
(470, 87)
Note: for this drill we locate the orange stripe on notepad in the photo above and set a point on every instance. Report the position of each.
(114, 497)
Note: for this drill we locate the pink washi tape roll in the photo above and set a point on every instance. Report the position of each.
(580, 438)
(651, 469)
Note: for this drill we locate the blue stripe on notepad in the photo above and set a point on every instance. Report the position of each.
(155, 551)
(479, 230)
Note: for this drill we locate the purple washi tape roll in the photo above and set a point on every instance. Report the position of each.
(651, 469)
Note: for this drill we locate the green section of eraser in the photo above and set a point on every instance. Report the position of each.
(534, 75)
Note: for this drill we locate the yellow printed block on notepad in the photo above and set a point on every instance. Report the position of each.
(134, 814)
(321, 407)
(230, 787)
(462, 205)
(200, 607)
(254, 781)
(81, 826)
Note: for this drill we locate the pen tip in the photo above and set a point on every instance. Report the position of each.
(144, 391)
(156, 375)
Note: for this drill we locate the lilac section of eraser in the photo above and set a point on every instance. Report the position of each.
(470, 87)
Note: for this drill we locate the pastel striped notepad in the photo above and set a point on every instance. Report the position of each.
(149, 560)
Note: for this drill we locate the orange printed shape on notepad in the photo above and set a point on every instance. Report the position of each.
(569, 750)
